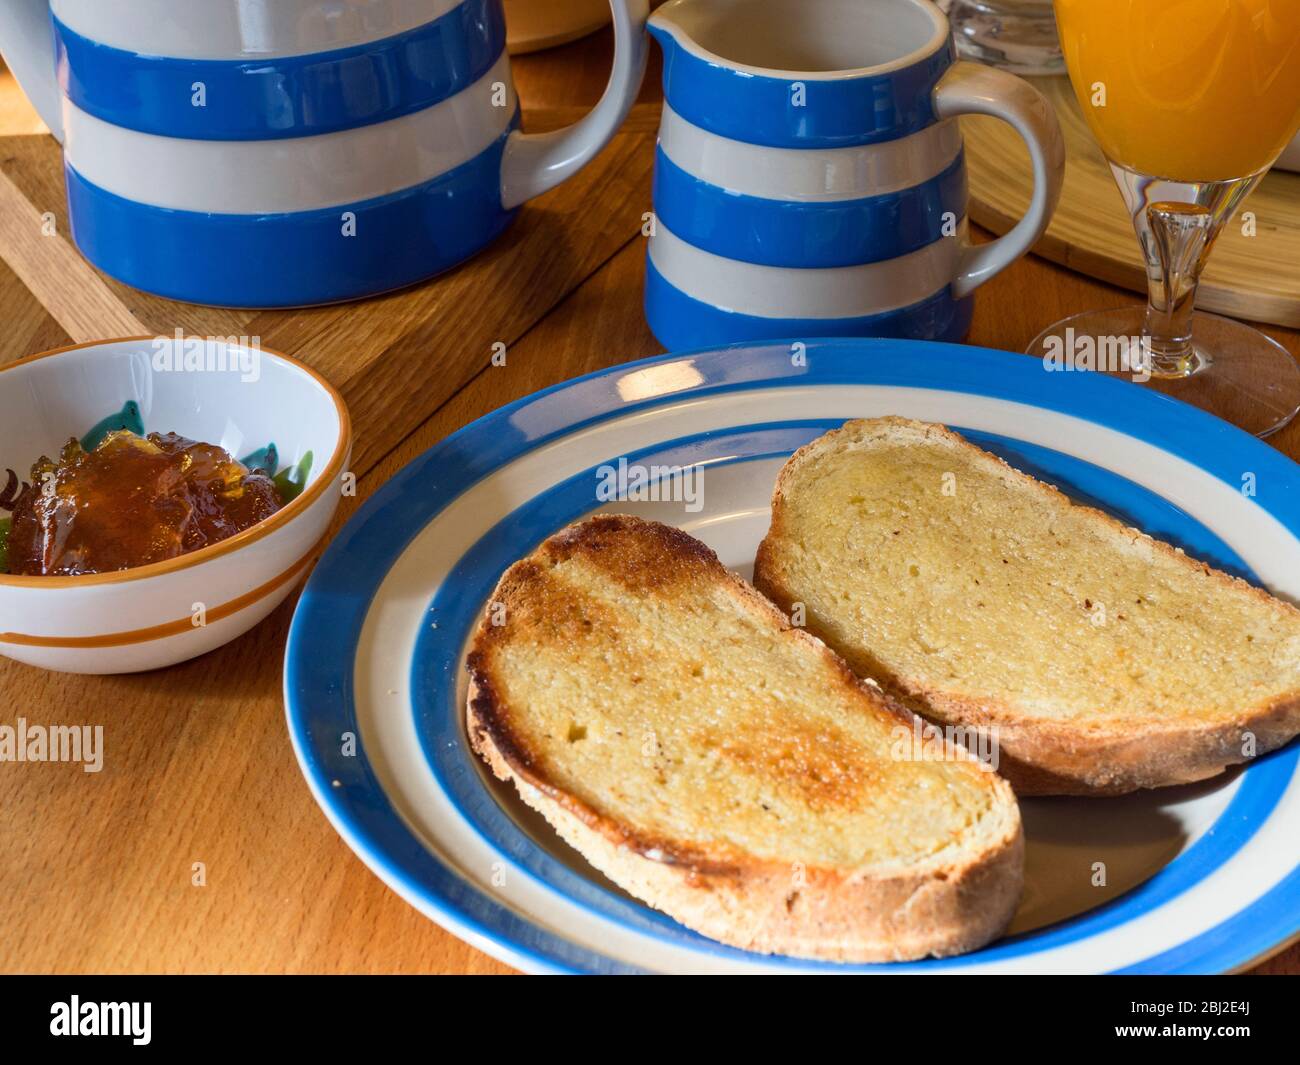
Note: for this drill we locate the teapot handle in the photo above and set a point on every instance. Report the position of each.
(535, 162)
(27, 43)
(971, 89)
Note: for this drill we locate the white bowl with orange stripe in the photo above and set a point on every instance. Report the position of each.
(224, 391)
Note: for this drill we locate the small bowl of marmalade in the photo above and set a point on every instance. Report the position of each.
(159, 496)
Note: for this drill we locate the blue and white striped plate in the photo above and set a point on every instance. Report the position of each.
(1197, 879)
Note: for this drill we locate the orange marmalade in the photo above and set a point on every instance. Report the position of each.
(132, 501)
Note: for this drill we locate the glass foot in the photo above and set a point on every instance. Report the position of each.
(1017, 35)
(1235, 372)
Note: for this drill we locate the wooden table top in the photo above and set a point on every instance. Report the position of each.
(96, 870)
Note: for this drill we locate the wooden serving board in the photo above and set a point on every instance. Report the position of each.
(1255, 277)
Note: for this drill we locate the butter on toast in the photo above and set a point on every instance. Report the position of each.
(726, 768)
(1103, 660)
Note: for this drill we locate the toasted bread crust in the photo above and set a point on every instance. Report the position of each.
(940, 908)
(1042, 757)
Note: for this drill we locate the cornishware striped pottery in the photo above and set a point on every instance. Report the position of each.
(295, 152)
(1201, 878)
(809, 176)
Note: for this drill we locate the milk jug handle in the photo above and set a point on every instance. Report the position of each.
(535, 162)
(971, 89)
(27, 43)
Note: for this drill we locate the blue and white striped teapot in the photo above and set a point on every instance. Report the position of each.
(809, 177)
(268, 153)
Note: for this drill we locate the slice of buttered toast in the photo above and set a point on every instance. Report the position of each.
(1100, 660)
(726, 768)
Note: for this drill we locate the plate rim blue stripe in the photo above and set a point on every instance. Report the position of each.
(1194, 436)
(1260, 787)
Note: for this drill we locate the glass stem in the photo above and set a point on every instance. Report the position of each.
(1179, 236)
(1176, 223)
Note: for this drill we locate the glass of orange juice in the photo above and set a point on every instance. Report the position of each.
(1191, 101)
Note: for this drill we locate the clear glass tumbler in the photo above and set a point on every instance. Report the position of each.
(1016, 35)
